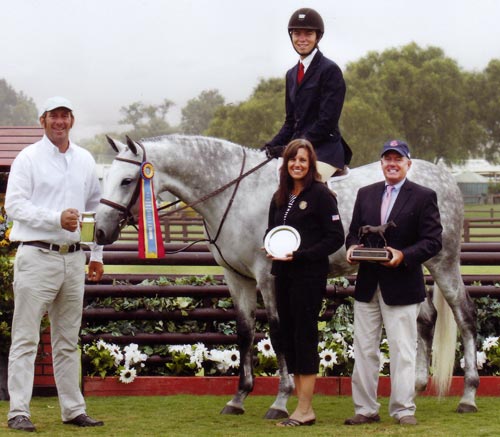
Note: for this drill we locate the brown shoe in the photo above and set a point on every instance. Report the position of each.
(359, 419)
(21, 423)
(408, 420)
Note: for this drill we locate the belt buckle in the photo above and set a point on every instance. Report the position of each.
(63, 249)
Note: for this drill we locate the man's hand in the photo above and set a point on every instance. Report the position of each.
(70, 219)
(96, 270)
(349, 253)
(397, 257)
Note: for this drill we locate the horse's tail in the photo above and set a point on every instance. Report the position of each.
(444, 344)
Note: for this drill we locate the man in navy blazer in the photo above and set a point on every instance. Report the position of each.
(389, 293)
(314, 97)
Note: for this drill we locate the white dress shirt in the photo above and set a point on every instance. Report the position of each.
(43, 182)
(308, 59)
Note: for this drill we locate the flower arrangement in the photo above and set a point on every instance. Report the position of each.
(335, 335)
(194, 359)
(7, 247)
(109, 359)
(267, 363)
(336, 356)
(489, 355)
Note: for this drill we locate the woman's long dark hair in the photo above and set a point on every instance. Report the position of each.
(286, 181)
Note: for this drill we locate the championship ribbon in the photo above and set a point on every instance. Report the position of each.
(150, 237)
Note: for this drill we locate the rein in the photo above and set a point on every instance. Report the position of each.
(218, 190)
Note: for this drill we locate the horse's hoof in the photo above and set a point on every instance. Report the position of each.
(466, 408)
(229, 409)
(274, 413)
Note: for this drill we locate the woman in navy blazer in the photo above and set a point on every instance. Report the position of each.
(305, 203)
(314, 105)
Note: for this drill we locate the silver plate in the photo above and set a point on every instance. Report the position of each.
(281, 241)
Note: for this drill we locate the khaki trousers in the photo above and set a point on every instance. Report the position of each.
(400, 322)
(45, 281)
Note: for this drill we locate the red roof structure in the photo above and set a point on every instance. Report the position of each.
(13, 139)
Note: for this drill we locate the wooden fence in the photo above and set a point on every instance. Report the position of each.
(199, 255)
(487, 229)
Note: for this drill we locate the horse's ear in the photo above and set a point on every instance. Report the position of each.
(131, 145)
(112, 144)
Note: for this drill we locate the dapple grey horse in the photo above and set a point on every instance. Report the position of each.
(235, 212)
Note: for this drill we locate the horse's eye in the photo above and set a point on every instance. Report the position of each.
(126, 182)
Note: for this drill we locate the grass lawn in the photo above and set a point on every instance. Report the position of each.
(188, 416)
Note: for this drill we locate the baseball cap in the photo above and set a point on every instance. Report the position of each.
(55, 102)
(398, 146)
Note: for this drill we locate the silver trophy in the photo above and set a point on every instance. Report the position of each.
(371, 237)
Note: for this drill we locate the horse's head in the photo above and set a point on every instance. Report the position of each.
(121, 191)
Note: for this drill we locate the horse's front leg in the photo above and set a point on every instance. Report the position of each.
(245, 325)
(244, 295)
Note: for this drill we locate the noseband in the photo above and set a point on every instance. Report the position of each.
(128, 217)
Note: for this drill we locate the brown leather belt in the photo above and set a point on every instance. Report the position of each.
(62, 249)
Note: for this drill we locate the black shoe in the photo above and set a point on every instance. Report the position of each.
(21, 423)
(359, 419)
(84, 420)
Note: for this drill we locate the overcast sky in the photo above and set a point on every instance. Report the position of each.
(105, 54)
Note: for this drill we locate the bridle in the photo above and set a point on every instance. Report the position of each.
(128, 217)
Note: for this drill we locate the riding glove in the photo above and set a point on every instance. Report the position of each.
(273, 151)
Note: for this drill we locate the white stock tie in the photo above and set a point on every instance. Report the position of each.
(386, 201)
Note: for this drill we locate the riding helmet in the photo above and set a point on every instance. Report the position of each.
(306, 18)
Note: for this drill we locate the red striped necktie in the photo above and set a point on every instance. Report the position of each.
(300, 73)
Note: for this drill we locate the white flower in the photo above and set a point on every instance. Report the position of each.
(328, 358)
(219, 358)
(233, 358)
(490, 342)
(480, 360)
(181, 348)
(338, 338)
(266, 348)
(350, 351)
(133, 355)
(384, 359)
(198, 354)
(127, 375)
(225, 359)
(101, 344)
(116, 353)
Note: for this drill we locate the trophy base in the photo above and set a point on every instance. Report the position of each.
(371, 254)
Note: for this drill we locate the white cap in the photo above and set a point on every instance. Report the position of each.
(55, 102)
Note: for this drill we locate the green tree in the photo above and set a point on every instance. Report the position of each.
(486, 90)
(254, 122)
(415, 94)
(147, 120)
(198, 112)
(16, 109)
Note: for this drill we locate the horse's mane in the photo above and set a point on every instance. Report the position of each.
(176, 137)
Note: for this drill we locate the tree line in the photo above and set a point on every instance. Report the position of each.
(413, 93)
